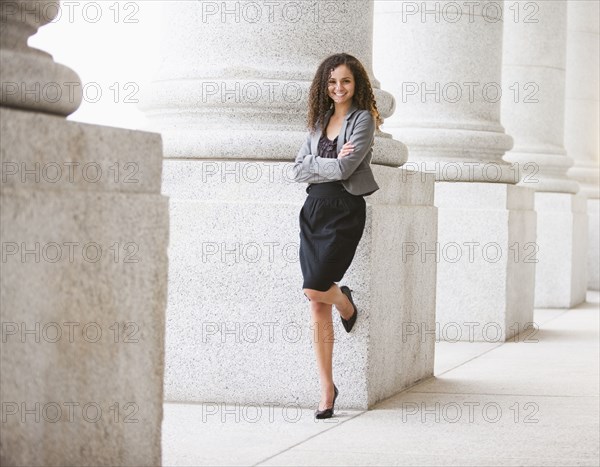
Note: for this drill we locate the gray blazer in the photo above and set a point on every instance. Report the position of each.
(353, 170)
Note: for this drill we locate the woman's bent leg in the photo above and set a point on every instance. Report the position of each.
(333, 296)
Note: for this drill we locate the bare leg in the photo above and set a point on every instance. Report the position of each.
(333, 296)
(323, 345)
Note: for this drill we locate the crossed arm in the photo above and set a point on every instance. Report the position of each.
(314, 169)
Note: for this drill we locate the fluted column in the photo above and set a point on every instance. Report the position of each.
(582, 116)
(84, 232)
(534, 60)
(230, 100)
(442, 61)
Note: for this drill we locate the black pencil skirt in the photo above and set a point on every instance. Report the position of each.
(332, 221)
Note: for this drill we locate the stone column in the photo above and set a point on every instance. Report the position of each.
(442, 61)
(231, 105)
(582, 117)
(252, 76)
(533, 112)
(83, 229)
(31, 78)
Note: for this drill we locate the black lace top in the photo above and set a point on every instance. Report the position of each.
(327, 148)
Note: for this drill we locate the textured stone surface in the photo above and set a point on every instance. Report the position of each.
(486, 254)
(448, 114)
(561, 272)
(238, 325)
(30, 78)
(537, 126)
(71, 158)
(582, 99)
(450, 122)
(533, 110)
(83, 295)
(233, 115)
(244, 94)
(582, 115)
(593, 210)
(545, 385)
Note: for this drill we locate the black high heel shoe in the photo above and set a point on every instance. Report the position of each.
(349, 323)
(327, 413)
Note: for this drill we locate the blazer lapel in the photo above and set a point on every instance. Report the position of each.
(342, 137)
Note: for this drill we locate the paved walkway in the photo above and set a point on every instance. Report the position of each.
(517, 403)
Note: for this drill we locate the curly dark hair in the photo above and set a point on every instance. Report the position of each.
(319, 101)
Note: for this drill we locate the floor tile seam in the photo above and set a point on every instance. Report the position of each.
(249, 404)
(562, 313)
(309, 438)
(412, 388)
(592, 396)
(420, 454)
(554, 317)
(511, 340)
(426, 453)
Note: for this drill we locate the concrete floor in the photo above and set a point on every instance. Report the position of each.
(518, 403)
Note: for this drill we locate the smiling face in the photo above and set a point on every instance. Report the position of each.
(341, 85)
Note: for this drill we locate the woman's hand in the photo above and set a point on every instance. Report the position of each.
(347, 149)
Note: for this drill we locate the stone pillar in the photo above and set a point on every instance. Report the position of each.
(442, 61)
(83, 229)
(582, 117)
(31, 79)
(533, 112)
(231, 105)
(261, 88)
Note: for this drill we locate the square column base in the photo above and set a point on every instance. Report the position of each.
(486, 261)
(562, 230)
(593, 210)
(238, 324)
(84, 233)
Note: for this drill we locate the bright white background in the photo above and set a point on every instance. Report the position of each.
(109, 44)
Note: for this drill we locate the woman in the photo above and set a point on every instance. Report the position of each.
(335, 161)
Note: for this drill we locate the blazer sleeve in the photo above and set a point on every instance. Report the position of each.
(314, 169)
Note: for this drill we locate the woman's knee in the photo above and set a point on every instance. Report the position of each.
(312, 295)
